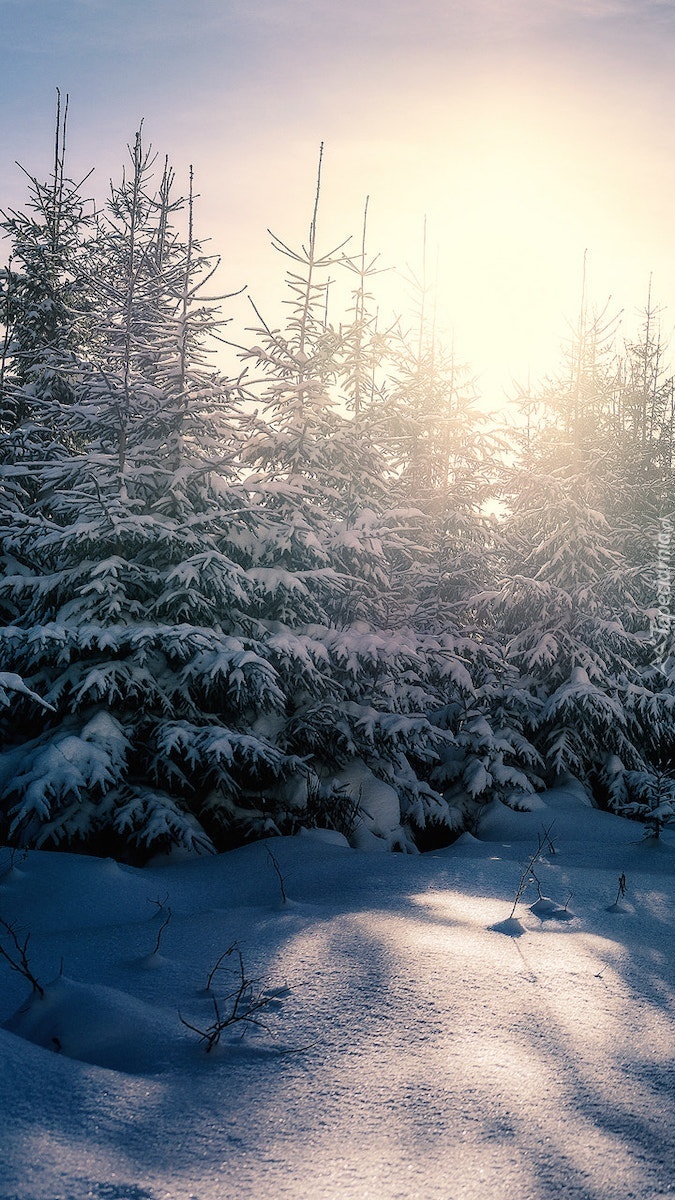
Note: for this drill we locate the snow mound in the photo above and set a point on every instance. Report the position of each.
(544, 906)
(379, 826)
(97, 1025)
(512, 927)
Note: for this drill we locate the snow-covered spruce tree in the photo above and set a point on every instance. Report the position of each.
(636, 474)
(637, 467)
(42, 303)
(579, 401)
(572, 609)
(444, 458)
(644, 412)
(569, 612)
(308, 450)
(415, 405)
(362, 347)
(443, 471)
(38, 300)
(42, 312)
(125, 575)
(321, 476)
(627, 439)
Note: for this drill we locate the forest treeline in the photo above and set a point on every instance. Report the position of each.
(221, 591)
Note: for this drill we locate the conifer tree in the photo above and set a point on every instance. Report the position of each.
(43, 306)
(645, 399)
(124, 572)
(322, 474)
(574, 606)
(43, 316)
(444, 468)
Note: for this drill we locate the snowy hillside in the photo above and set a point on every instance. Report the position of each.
(407, 1050)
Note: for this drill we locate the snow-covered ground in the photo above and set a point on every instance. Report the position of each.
(419, 1054)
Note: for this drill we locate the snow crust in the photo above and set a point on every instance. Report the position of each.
(418, 1054)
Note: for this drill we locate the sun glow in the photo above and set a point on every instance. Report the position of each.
(512, 197)
(505, 240)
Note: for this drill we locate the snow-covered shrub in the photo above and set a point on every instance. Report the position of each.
(647, 795)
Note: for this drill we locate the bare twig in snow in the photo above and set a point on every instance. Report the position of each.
(17, 959)
(273, 859)
(543, 843)
(245, 1004)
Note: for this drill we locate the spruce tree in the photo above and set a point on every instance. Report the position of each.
(322, 474)
(43, 315)
(574, 607)
(124, 573)
(43, 304)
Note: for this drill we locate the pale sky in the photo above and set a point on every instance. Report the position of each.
(525, 130)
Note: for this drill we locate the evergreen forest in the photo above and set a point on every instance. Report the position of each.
(259, 578)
